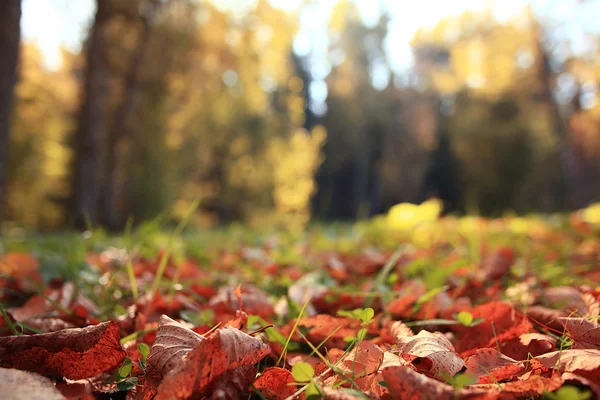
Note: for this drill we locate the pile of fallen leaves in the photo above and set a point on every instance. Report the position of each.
(436, 319)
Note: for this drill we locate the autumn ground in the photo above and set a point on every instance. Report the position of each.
(405, 306)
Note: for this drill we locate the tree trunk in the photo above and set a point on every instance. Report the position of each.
(91, 132)
(112, 213)
(10, 37)
(576, 185)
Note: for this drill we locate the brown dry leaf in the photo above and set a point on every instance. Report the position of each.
(407, 384)
(489, 365)
(275, 384)
(73, 353)
(364, 359)
(430, 353)
(399, 329)
(345, 394)
(533, 386)
(546, 316)
(173, 341)
(584, 362)
(585, 333)
(22, 385)
(193, 376)
(566, 298)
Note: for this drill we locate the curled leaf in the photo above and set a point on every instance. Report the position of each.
(431, 353)
(226, 349)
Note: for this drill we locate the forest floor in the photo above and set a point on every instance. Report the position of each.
(404, 306)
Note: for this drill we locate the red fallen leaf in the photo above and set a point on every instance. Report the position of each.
(533, 386)
(318, 365)
(501, 323)
(489, 365)
(56, 300)
(528, 344)
(344, 394)
(204, 291)
(233, 384)
(409, 293)
(585, 333)
(407, 384)
(198, 370)
(19, 385)
(73, 353)
(430, 353)
(546, 316)
(276, 384)
(321, 327)
(580, 380)
(256, 302)
(364, 359)
(584, 362)
(496, 265)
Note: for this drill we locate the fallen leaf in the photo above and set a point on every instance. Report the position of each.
(585, 333)
(255, 301)
(173, 342)
(407, 384)
(22, 385)
(501, 323)
(489, 365)
(223, 351)
(73, 353)
(430, 353)
(584, 362)
(275, 384)
(233, 384)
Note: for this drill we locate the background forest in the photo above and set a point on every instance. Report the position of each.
(272, 114)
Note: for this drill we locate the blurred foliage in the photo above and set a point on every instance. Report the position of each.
(225, 112)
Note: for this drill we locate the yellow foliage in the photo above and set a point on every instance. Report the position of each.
(591, 214)
(405, 216)
(294, 162)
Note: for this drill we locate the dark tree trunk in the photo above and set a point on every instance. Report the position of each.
(575, 182)
(112, 213)
(91, 132)
(10, 36)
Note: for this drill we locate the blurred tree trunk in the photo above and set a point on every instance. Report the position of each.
(112, 215)
(576, 185)
(10, 36)
(91, 130)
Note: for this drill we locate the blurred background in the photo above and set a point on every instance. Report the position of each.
(283, 112)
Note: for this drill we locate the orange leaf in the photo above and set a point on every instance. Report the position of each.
(275, 384)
